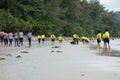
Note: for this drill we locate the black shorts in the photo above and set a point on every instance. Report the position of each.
(52, 40)
(98, 40)
(60, 40)
(1, 39)
(106, 40)
(43, 39)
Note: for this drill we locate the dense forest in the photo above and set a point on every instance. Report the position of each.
(64, 17)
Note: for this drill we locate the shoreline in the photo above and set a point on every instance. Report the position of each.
(113, 52)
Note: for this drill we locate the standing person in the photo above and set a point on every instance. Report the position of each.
(5, 39)
(29, 36)
(52, 39)
(16, 38)
(21, 35)
(43, 38)
(77, 39)
(10, 35)
(60, 39)
(1, 38)
(39, 38)
(107, 37)
(98, 36)
(103, 38)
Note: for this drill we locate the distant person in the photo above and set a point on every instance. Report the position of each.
(85, 40)
(103, 39)
(21, 36)
(39, 38)
(60, 39)
(5, 39)
(10, 35)
(75, 38)
(52, 39)
(98, 37)
(16, 38)
(29, 36)
(43, 38)
(107, 40)
(1, 38)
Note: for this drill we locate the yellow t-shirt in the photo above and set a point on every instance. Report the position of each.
(103, 36)
(38, 36)
(75, 36)
(98, 36)
(60, 38)
(52, 36)
(83, 37)
(107, 35)
(43, 36)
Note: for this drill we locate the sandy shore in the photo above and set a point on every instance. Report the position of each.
(6, 49)
(72, 62)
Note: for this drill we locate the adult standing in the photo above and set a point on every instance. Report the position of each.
(98, 36)
(39, 38)
(29, 36)
(52, 39)
(21, 35)
(10, 35)
(43, 38)
(5, 39)
(16, 38)
(60, 39)
(107, 41)
(1, 38)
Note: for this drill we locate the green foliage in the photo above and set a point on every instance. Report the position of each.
(64, 17)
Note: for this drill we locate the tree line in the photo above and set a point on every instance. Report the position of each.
(64, 17)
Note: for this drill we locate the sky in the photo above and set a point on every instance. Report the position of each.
(111, 5)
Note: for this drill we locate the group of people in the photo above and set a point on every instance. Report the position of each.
(41, 37)
(6, 39)
(105, 37)
(76, 39)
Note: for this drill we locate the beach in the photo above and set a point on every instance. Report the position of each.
(70, 62)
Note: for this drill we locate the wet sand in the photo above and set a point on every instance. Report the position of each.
(75, 62)
(113, 52)
(12, 49)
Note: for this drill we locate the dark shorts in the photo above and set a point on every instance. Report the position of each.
(60, 40)
(52, 40)
(43, 39)
(1, 39)
(98, 40)
(106, 40)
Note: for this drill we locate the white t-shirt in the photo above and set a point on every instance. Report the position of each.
(29, 35)
(21, 34)
(10, 35)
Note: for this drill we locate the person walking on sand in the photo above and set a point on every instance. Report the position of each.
(52, 39)
(107, 40)
(60, 39)
(29, 36)
(43, 38)
(98, 36)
